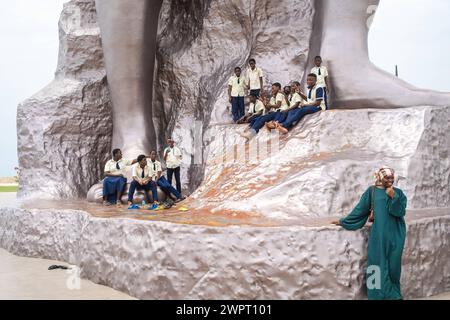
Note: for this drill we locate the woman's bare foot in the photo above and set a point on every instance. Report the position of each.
(119, 204)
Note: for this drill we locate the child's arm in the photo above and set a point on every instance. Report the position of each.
(304, 97)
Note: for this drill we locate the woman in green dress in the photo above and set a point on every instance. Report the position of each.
(387, 235)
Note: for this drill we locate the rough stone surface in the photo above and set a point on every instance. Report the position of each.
(159, 260)
(65, 131)
(200, 44)
(322, 167)
(326, 163)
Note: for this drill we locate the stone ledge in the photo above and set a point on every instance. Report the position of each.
(161, 260)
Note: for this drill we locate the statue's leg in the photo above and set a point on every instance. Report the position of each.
(341, 38)
(129, 30)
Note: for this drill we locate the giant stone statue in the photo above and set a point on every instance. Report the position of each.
(133, 72)
(339, 34)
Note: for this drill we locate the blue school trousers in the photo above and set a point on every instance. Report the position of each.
(151, 186)
(261, 121)
(176, 172)
(281, 116)
(111, 186)
(237, 108)
(167, 187)
(256, 92)
(297, 114)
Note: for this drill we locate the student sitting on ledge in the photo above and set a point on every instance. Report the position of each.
(115, 180)
(255, 110)
(274, 107)
(294, 100)
(161, 181)
(317, 101)
(142, 180)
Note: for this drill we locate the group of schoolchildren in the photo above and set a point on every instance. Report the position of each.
(285, 107)
(147, 176)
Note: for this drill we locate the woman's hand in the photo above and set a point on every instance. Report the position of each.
(336, 223)
(390, 192)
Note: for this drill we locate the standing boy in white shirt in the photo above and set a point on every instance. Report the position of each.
(322, 74)
(255, 81)
(173, 157)
(236, 94)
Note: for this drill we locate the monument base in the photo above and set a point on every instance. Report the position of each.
(222, 255)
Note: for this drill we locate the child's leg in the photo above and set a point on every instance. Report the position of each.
(132, 190)
(154, 189)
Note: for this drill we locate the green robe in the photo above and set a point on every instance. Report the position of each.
(386, 242)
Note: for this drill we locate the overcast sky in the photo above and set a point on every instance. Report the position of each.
(410, 33)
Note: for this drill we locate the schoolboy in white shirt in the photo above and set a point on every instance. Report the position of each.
(322, 74)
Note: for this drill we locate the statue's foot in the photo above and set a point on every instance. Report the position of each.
(368, 86)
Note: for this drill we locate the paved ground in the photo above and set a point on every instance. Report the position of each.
(30, 279)
(6, 198)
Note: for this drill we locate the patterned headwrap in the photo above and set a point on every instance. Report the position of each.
(383, 172)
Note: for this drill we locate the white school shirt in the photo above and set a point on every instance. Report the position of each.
(154, 168)
(295, 99)
(137, 171)
(111, 166)
(173, 158)
(320, 78)
(318, 93)
(237, 86)
(282, 98)
(257, 107)
(253, 78)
